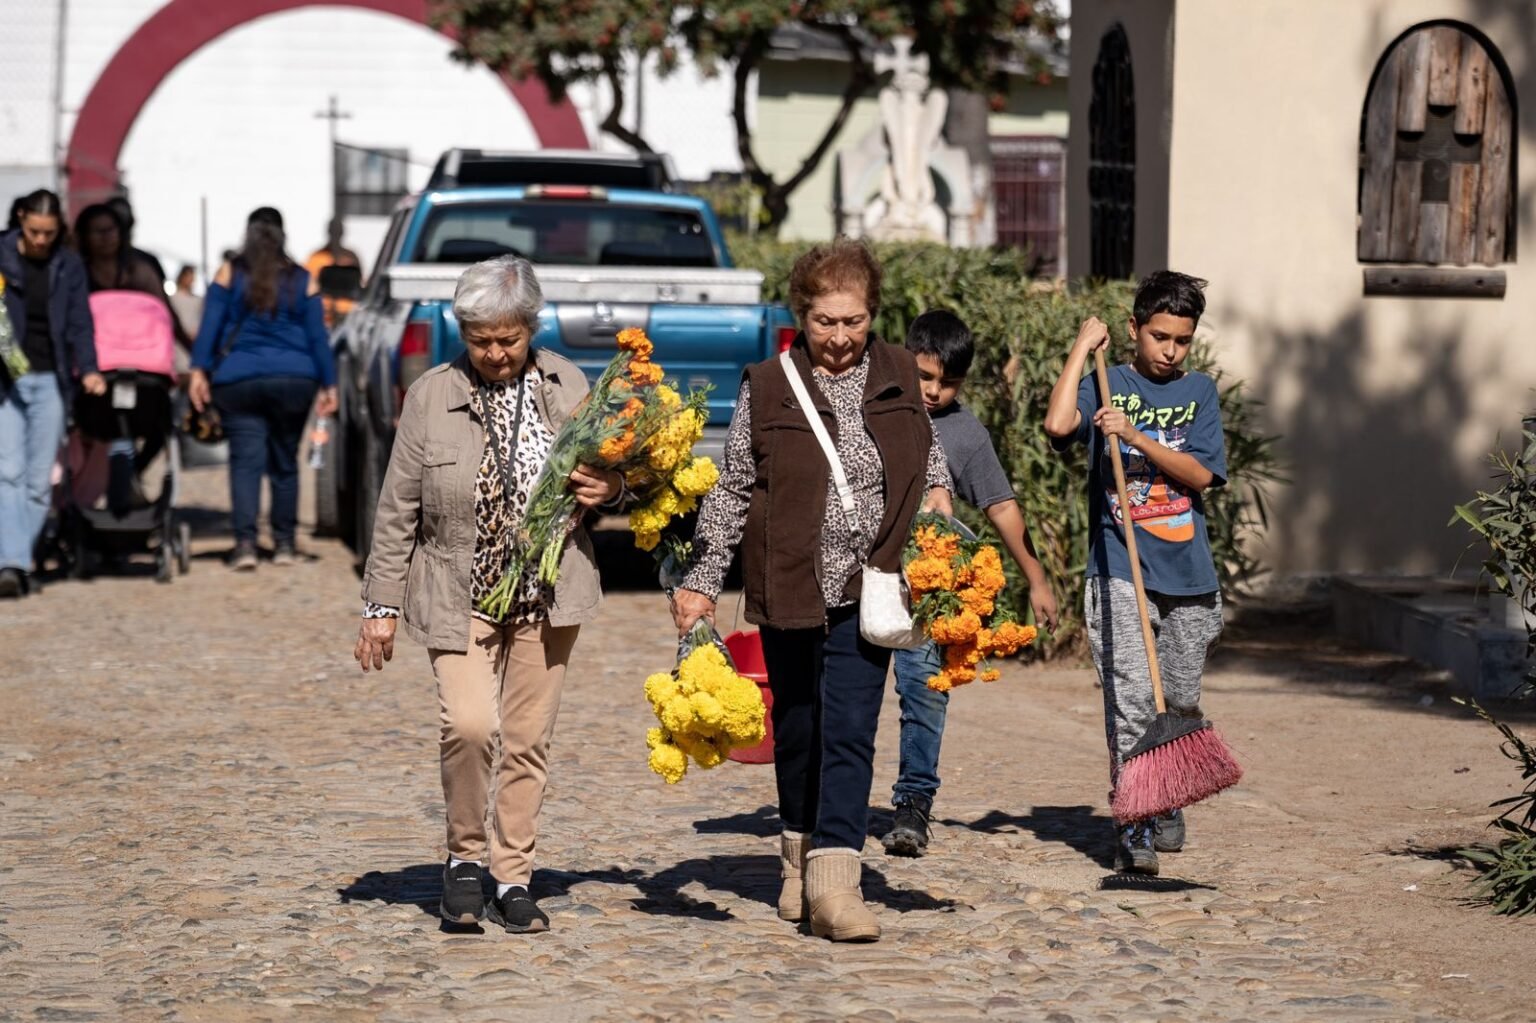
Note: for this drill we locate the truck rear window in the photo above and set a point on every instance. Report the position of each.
(566, 233)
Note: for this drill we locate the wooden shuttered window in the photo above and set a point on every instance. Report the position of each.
(1436, 160)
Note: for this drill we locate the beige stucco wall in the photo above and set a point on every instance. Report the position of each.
(1149, 28)
(1388, 405)
(797, 100)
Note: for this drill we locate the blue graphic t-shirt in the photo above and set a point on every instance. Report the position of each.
(1183, 415)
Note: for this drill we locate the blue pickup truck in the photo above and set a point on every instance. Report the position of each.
(607, 256)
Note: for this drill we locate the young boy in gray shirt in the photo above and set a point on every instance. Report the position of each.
(944, 349)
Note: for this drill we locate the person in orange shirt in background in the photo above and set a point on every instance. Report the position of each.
(333, 253)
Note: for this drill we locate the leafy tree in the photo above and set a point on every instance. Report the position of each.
(972, 45)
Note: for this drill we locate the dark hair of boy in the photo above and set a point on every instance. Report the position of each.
(944, 336)
(1168, 291)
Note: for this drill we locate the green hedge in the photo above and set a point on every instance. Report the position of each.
(1024, 329)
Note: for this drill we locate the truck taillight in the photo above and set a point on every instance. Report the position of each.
(415, 356)
(786, 337)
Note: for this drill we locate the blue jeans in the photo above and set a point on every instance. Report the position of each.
(827, 686)
(922, 722)
(31, 430)
(264, 420)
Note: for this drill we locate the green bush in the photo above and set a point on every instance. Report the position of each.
(1507, 870)
(1024, 329)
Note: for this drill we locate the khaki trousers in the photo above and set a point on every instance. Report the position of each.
(507, 684)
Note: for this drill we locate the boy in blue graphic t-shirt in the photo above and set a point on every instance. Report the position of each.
(1167, 423)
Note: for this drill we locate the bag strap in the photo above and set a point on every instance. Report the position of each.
(839, 478)
(228, 344)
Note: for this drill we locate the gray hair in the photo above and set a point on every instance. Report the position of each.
(498, 292)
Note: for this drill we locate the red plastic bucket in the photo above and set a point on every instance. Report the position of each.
(746, 649)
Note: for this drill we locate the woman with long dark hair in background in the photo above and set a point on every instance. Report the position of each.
(45, 298)
(262, 359)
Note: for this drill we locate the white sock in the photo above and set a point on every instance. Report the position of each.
(454, 861)
(503, 889)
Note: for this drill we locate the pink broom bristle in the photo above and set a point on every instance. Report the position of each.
(1175, 775)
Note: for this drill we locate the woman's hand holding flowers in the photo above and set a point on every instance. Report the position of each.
(592, 487)
(939, 500)
(688, 606)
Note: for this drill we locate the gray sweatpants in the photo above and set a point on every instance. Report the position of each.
(1186, 629)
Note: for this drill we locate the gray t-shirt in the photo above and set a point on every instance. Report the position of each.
(979, 477)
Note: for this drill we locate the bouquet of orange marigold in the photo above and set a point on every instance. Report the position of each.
(635, 424)
(704, 707)
(956, 581)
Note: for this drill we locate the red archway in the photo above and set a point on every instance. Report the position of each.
(180, 29)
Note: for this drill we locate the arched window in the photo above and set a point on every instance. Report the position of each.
(1112, 159)
(1437, 171)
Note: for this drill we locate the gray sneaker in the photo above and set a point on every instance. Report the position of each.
(1134, 853)
(243, 559)
(285, 554)
(1168, 832)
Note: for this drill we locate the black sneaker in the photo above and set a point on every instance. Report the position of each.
(1134, 853)
(463, 900)
(909, 835)
(517, 912)
(12, 583)
(1168, 832)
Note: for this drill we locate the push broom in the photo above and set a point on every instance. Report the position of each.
(1180, 760)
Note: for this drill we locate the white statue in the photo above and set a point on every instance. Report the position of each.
(912, 115)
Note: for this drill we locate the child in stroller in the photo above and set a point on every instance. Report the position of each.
(117, 438)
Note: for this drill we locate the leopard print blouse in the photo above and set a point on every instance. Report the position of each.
(843, 551)
(494, 519)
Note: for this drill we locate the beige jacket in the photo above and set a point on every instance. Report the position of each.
(424, 532)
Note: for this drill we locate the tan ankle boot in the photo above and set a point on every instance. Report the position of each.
(792, 849)
(835, 901)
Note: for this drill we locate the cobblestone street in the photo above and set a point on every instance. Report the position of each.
(208, 813)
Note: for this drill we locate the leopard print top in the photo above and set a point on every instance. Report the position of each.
(494, 519)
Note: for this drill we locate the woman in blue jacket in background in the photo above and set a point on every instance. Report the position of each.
(262, 358)
(45, 297)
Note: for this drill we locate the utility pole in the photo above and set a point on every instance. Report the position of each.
(333, 113)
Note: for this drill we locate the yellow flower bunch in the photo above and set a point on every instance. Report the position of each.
(955, 582)
(705, 710)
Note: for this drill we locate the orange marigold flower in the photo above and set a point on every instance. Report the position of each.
(960, 628)
(1010, 637)
(940, 683)
(633, 339)
(991, 675)
(645, 373)
(613, 450)
(977, 601)
(961, 675)
(632, 408)
(927, 574)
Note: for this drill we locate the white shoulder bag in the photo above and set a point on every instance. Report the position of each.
(885, 608)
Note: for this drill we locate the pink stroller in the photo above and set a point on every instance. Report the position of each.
(118, 435)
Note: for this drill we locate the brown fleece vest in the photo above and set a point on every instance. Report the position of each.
(781, 546)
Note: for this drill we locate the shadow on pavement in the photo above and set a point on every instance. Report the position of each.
(1077, 826)
(762, 822)
(1142, 883)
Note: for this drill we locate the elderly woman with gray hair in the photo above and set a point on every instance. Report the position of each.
(474, 436)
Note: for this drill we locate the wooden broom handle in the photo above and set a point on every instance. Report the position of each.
(1113, 443)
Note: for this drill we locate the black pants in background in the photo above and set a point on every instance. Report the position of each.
(264, 421)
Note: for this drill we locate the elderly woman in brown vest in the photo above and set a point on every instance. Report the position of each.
(802, 559)
(474, 436)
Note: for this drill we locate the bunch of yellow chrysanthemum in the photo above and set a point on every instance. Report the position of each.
(704, 708)
(672, 479)
(955, 582)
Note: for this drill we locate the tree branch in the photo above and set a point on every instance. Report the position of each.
(859, 79)
(751, 54)
(613, 124)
